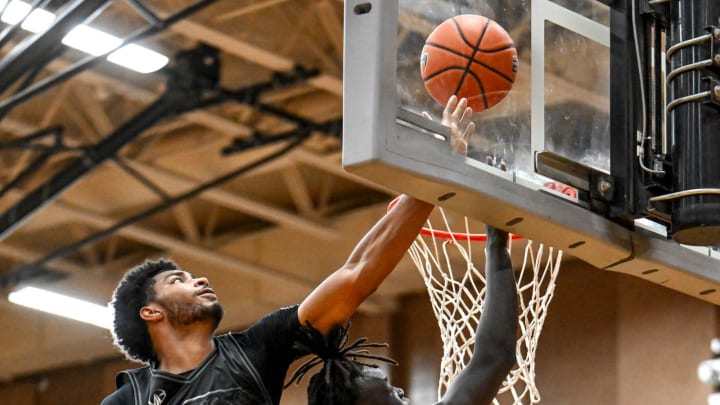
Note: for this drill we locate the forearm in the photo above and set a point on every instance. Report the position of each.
(496, 335)
(378, 253)
(380, 250)
(497, 327)
(335, 300)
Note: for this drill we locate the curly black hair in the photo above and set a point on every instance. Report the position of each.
(134, 291)
(334, 384)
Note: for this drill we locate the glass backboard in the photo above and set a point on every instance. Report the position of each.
(557, 112)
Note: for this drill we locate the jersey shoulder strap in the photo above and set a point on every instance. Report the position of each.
(228, 345)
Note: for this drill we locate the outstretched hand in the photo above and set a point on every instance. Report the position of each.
(456, 116)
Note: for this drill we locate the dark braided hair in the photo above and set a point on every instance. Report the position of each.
(334, 383)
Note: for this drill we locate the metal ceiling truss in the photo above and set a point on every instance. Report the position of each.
(192, 84)
(38, 49)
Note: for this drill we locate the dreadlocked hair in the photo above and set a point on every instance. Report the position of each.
(342, 363)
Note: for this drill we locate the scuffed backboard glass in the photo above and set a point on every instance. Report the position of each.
(564, 44)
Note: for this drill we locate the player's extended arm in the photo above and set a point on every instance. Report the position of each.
(494, 353)
(375, 256)
(335, 300)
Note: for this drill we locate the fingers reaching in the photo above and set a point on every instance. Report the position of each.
(469, 131)
(449, 110)
(459, 111)
(457, 116)
(466, 113)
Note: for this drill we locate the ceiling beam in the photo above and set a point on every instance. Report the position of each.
(186, 221)
(299, 191)
(25, 255)
(145, 96)
(305, 34)
(90, 252)
(87, 132)
(119, 265)
(252, 8)
(251, 53)
(229, 200)
(241, 204)
(332, 24)
(172, 244)
(332, 164)
(94, 113)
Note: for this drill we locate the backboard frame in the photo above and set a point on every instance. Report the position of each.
(383, 143)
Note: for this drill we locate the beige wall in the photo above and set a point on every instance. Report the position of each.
(663, 336)
(608, 339)
(79, 385)
(576, 361)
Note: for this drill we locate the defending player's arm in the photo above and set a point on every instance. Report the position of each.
(494, 353)
(335, 300)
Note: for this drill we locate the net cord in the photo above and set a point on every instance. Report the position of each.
(457, 300)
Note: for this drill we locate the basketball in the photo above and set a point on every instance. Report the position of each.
(472, 57)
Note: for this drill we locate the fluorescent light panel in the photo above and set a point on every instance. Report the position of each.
(86, 39)
(62, 305)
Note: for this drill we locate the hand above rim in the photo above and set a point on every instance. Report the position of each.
(456, 116)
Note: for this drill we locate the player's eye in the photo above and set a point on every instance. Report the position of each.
(175, 280)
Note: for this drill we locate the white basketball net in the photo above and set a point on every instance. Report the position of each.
(457, 299)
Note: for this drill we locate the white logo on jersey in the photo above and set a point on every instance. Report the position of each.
(157, 398)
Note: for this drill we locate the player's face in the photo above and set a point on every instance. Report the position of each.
(375, 389)
(186, 299)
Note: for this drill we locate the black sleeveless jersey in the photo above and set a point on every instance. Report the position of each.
(246, 368)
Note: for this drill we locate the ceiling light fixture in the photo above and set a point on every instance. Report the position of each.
(62, 305)
(85, 38)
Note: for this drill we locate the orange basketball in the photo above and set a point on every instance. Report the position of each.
(472, 57)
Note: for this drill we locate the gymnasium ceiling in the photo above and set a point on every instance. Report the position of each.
(285, 217)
